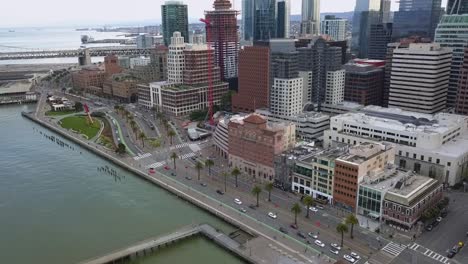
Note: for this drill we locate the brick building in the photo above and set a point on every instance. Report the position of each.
(111, 64)
(364, 83)
(121, 87)
(254, 79)
(253, 145)
(86, 77)
(362, 160)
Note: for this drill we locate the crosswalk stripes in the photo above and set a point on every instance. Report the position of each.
(394, 249)
(142, 156)
(429, 253)
(155, 165)
(188, 155)
(179, 146)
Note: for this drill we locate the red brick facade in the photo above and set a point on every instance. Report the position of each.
(345, 184)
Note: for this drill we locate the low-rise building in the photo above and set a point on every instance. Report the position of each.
(254, 143)
(121, 87)
(88, 76)
(221, 135)
(364, 83)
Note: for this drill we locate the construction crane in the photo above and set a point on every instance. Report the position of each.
(210, 70)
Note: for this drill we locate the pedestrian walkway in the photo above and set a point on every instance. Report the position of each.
(156, 165)
(179, 146)
(394, 249)
(429, 253)
(188, 155)
(142, 156)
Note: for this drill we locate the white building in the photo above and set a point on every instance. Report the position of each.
(335, 87)
(176, 59)
(221, 135)
(431, 145)
(145, 41)
(139, 61)
(334, 27)
(286, 96)
(309, 125)
(419, 78)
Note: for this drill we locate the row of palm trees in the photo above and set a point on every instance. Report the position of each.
(129, 117)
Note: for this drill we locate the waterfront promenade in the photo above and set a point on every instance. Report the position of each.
(267, 246)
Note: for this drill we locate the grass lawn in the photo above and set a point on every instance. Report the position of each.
(59, 113)
(80, 124)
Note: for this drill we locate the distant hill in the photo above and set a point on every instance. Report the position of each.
(345, 15)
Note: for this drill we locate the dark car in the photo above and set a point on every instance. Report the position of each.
(294, 226)
(188, 178)
(203, 184)
(301, 235)
(252, 206)
(451, 254)
(219, 192)
(429, 228)
(283, 230)
(444, 213)
(435, 223)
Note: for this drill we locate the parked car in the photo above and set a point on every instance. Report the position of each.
(283, 230)
(237, 201)
(320, 207)
(355, 256)
(301, 235)
(253, 206)
(439, 219)
(319, 243)
(435, 223)
(312, 235)
(451, 254)
(334, 251)
(272, 215)
(335, 246)
(203, 184)
(349, 258)
(429, 227)
(444, 213)
(188, 178)
(313, 209)
(219, 192)
(242, 210)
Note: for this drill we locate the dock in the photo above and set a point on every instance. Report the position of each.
(149, 246)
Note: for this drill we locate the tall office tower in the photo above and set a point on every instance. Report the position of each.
(319, 58)
(452, 32)
(310, 24)
(144, 41)
(385, 11)
(457, 7)
(366, 13)
(283, 9)
(462, 98)
(248, 19)
(420, 77)
(174, 18)
(254, 79)
(176, 59)
(287, 85)
(224, 38)
(380, 36)
(264, 19)
(416, 18)
(335, 87)
(334, 27)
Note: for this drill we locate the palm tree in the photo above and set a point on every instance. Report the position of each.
(160, 116)
(209, 163)
(351, 220)
(236, 172)
(342, 228)
(225, 175)
(171, 134)
(256, 191)
(269, 188)
(142, 137)
(174, 157)
(296, 209)
(199, 167)
(309, 202)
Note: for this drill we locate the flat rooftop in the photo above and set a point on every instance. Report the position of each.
(385, 179)
(329, 154)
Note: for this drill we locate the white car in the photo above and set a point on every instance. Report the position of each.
(335, 246)
(334, 251)
(272, 215)
(349, 258)
(319, 243)
(237, 201)
(355, 255)
(313, 209)
(314, 236)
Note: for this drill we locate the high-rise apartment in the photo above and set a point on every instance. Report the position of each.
(310, 24)
(419, 78)
(366, 13)
(334, 27)
(452, 32)
(416, 18)
(176, 59)
(174, 16)
(224, 38)
(457, 7)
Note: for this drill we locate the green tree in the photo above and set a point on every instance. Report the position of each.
(121, 149)
(171, 134)
(199, 167)
(342, 228)
(160, 116)
(256, 191)
(209, 163)
(142, 138)
(174, 157)
(236, 172)
(309, 202)
(351, 220)
(296, 209)
(225, 176)
(269, 188)
(78, 106)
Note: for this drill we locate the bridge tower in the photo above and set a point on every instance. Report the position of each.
(84, 58)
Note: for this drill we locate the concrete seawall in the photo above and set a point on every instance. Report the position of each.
(210, 209)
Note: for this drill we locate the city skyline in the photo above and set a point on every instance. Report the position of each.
(45, 13)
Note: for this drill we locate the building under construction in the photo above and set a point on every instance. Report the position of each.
(223, 37)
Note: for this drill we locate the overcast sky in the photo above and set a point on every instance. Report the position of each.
(91, 12)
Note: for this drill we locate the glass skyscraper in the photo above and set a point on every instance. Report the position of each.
(366, 13)
(416, 18)
(457, 7)
(310, 24)
(174, 18)
(265, 19)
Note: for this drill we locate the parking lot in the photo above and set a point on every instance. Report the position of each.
(451, 230)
